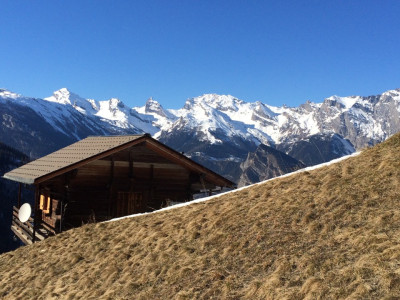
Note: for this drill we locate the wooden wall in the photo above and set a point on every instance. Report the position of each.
(102, 189)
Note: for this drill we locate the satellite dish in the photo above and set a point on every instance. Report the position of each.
(24, 212)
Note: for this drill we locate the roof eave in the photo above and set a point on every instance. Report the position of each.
(19, 179)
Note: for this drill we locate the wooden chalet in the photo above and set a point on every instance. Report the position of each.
(103, 177)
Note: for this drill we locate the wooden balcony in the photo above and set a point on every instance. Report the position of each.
(25, 232)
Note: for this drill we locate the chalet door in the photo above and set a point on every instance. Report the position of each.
(129, 203)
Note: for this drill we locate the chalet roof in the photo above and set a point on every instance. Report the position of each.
(68, 156)
(97, 147)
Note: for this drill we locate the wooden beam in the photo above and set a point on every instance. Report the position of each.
(137, 164)
(24, 238)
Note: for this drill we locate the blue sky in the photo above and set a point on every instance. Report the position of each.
(278, 52)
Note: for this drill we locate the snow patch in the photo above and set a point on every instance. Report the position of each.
(347, 102)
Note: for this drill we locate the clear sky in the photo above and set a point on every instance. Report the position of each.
(278, 52)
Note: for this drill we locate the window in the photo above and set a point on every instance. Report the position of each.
(44, 203)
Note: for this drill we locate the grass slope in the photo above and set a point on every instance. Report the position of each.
(330, 233)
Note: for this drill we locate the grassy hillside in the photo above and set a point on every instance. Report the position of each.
(329, 233)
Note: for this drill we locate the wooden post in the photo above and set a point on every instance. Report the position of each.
(112, 168)
(61, 213)
(151, 174)
(203, 184)
(151, 189)
(110, 191)
(65, 199)
(189, 192)
(19, 195)
(36, 212)
(130, 165)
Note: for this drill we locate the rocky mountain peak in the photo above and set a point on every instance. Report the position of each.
(219, 102)
(263, 111)
(115, 103)
(395, 94)
(4, 93)
(223, 102)
(65, 96)
(152, 106)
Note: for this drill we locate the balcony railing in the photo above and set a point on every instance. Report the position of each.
(24, 230)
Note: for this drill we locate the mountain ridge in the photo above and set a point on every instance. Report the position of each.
(227, 127)
(201, 108)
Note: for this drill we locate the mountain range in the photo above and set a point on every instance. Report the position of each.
(218, 131)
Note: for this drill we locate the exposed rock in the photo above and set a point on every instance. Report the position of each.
(318, 148)
(266, 162)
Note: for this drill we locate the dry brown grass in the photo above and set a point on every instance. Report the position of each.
(326, 234)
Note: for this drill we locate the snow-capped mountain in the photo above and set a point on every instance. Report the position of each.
(113, 111)
(215, 114)
(362, 120)
(160, 118)
(37, 126)
(229, 128)
(216, 130)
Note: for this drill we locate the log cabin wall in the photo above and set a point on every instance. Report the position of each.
(88, 193)
(131, 181)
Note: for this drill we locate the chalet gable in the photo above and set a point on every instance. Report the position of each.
(97, 147)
